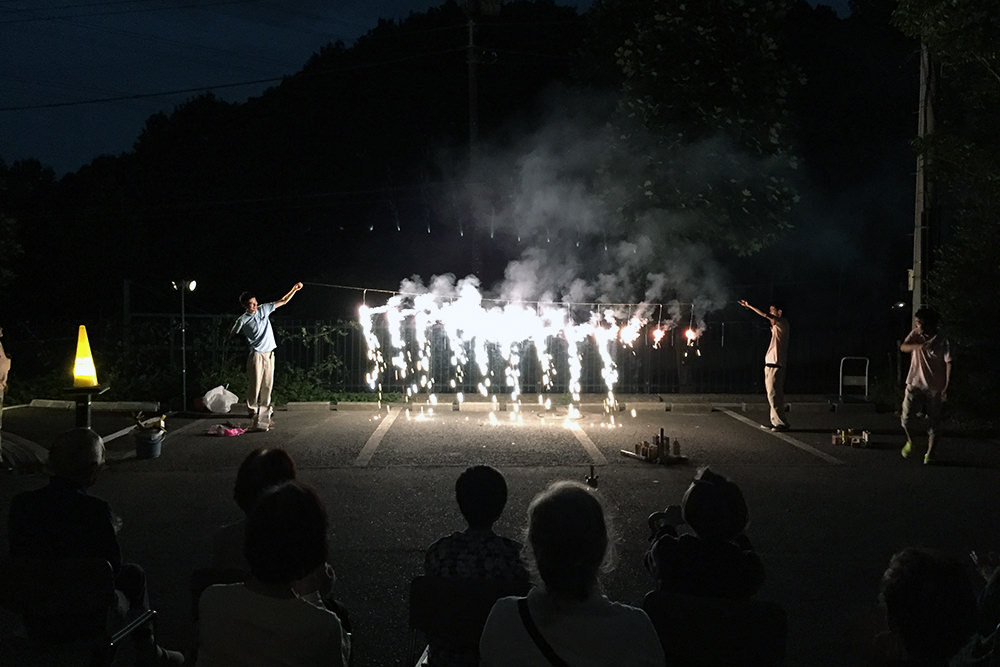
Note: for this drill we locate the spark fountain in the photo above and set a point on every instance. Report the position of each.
(479, 331)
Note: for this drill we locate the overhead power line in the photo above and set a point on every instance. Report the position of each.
(139, 96)
(236, 84)
(137, 10)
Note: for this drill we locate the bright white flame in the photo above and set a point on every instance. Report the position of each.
(658, 335)
(481, 333)
(630, 332)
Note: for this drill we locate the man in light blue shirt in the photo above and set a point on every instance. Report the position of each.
(255, 324)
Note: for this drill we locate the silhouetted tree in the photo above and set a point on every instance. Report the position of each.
(963, 161)
(26, 189)
(704, 108)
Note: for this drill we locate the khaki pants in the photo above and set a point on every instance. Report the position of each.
(260, 380)
(774, 385)
(916, 401)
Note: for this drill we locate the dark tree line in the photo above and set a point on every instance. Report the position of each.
(323, 169)
(345, 172)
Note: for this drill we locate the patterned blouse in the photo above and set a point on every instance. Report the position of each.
(471, 554)
(476, 554)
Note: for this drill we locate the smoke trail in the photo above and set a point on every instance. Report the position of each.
(589, 271)
(558, 193)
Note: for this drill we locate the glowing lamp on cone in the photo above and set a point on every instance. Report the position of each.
(84, 372)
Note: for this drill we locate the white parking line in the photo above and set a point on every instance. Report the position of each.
(368, 451)
(595, 454)
(809, 449)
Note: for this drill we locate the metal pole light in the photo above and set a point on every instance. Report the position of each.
(182, 287)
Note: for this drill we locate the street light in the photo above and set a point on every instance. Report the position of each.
(182, 287)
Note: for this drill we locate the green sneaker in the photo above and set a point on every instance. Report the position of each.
(929, 460)
(905, 451)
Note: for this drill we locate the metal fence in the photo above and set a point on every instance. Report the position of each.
(727, 358)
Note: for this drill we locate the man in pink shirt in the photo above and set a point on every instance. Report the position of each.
(5, 463)
(927, 381)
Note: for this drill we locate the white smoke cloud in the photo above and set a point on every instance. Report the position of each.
(552, 194)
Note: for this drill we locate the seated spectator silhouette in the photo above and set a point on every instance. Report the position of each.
(984, 647)
(263, 621)
(988, 603)
(930, 607)
(700, 548)
(62, 521)
(262, 469)
(566, 619)
(476, 552)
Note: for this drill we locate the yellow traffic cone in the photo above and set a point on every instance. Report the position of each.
(84, 372)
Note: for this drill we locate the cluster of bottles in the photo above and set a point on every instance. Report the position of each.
(848, 438)
(660, 450)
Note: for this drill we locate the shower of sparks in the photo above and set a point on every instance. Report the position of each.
(478, 328)
(658, 335)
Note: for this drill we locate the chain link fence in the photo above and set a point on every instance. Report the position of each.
(149, 355)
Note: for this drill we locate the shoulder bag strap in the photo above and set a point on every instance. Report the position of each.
(543, 646)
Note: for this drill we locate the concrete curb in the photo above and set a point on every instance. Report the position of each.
(681, 407)
(310, 405)
(103, 406)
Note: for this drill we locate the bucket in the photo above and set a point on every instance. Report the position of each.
(148, 443)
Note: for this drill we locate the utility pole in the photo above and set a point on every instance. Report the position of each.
(924, 190)
(472, 59)
(475, 9)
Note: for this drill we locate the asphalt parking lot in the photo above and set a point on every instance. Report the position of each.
(824, 517)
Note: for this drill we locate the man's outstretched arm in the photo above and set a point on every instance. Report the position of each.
(288, 297)
(745, 304)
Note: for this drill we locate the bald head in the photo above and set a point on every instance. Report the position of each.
(77, 455)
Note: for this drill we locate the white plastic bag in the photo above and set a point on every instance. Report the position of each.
(219, 400)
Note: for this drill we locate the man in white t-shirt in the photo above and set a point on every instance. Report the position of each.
(775, 363)
(927, 380)
(255, 324)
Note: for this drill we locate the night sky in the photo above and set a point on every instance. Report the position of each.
(79, 80)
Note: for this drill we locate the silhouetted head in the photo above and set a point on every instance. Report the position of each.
(929, 604)
(714, 507)
(569, 538)
(776, 308)
(481, 492)
(286, 534)
(262, 468)
(77, 455)
(926, 321)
